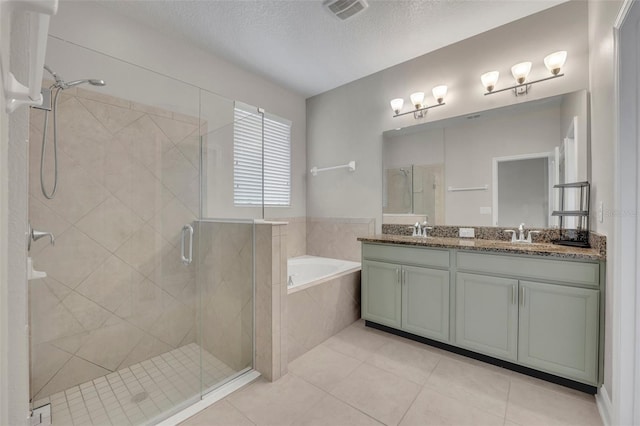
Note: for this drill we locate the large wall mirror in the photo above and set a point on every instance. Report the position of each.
(492, 168)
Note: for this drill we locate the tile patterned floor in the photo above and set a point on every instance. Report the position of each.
(363, 376)
(167, 380)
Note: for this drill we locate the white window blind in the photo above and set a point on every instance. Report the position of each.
(248, 156)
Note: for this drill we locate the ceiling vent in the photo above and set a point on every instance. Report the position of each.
(345, 9)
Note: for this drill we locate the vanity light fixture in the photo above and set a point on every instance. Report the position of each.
(489, 80)
(520, 72)
(417, 100)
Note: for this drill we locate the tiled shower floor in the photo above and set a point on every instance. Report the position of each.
(139, 393)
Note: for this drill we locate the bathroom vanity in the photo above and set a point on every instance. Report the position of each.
(533, 308)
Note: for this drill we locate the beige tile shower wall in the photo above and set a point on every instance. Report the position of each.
(296, 235)
(337, 237)
(225, 280)
(116, 291)
(319, 312)
(271, 300)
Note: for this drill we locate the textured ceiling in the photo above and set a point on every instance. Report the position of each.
(299, 45)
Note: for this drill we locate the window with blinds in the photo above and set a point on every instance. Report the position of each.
(248, 159)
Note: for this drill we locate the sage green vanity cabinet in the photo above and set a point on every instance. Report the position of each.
(425, 302)
(539, 312)
(381, 293)
(559, 330)
(403, 288)
(487, 315)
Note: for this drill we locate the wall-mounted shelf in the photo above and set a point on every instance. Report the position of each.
(573, 232)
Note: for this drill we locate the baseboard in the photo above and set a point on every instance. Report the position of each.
(604, 406)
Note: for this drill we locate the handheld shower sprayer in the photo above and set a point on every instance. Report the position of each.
(59, 85)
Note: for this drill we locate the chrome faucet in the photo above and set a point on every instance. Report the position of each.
(521, 232)
(426, 228)
(417, 230)
(529, 236)
(35, 235)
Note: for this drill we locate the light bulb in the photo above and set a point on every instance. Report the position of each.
(439, 92)
(555, 61)
(396, 105)
(521, 71)
(417, 99)
(489, 80)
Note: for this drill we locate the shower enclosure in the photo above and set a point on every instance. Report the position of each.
(148, 302)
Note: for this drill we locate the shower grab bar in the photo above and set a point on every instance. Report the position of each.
(186, 229)
(16, 94)
(470, 188)
(351, 166)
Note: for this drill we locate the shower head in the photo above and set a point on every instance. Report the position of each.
(93, 82)
(61, 84)
(53, 74)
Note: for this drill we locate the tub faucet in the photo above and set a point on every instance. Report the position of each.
(34, 235)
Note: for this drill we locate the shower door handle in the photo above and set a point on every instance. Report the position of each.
(187, 229)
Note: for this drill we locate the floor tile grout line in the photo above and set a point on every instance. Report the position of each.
(341, 400)
(439, 357)
(415, 398)
(324, 395)
(229, 398)
(48, 381)
(506, 406)
(325, 346)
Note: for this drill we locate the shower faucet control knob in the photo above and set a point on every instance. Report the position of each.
(35, 235)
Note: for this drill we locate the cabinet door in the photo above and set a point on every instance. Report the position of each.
(559, 330)
(425, 302)
(381, 293)
(487, 315)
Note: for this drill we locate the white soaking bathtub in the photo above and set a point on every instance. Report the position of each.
(306, 271)
(323, 299)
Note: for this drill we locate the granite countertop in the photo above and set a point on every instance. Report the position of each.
(492, 246)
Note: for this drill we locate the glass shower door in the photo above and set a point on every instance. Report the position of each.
(225, 246)
(114, 324)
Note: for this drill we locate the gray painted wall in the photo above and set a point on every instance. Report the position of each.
(571, 103)
(602, 15)
(347, 123)
(470, 150)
